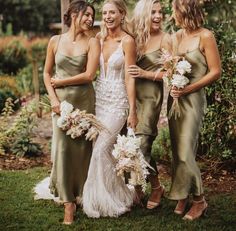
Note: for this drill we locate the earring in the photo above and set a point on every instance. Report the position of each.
(122, 21)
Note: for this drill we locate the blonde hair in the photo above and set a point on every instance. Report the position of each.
(121, 6)
(188, 13)
(142, 23)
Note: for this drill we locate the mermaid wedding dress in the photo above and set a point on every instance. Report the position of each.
(106, 194)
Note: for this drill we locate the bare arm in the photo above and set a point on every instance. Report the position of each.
(47, 74)
(137, 72)
(89, 74)
(209, 47)
(130, 58)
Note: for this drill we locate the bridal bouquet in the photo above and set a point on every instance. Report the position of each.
(77, 123)
(130, 159)
(175, 67)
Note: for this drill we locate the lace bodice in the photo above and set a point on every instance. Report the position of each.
(111, 95)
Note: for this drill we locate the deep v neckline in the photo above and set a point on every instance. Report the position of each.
(103, 60)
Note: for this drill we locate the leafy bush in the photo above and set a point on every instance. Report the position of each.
(218, 133)
(16, 136)
(24, 80)
(13, 57)
(4, 95)
(161, 149)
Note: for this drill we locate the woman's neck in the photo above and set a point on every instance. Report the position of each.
(189, 32)
(73, 35)
(155, 33)
(114, 33)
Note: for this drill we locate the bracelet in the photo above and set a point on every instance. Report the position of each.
(156, 74)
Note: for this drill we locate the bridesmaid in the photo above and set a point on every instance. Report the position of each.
(77, 55)
(198, 46)
(150, 39)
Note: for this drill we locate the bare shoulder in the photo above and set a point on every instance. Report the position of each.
(128, 40)
(206, 34)
(98, 35)
(54, 39)
(93, 41)
(94, 45)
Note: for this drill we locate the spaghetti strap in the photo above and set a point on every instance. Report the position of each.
(199, 41)
(58, 43)
(162, 38)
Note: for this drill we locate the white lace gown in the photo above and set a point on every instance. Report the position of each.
(105, 194)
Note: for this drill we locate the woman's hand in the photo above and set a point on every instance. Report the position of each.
(132, 120)
(177, 92)
(55, 105)
(136, 72)
(56, 82)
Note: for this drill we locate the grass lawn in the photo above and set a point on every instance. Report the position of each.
(19, 211)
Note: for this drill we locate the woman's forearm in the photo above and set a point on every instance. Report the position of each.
(203, 82)
(50, 89)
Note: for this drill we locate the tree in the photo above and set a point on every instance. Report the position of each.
(30, 15)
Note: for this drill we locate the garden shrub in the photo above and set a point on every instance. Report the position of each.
(16, 136)
(24, 80)
(219, 132)
(4, 95)
(161, 148)
(13, 57)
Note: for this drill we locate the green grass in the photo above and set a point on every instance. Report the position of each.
(18, 211)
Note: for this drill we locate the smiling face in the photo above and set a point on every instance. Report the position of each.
(156, 17)
(111, 16)
(85, 20)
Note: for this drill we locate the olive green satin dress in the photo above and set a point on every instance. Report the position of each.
(184, 131)
(149, 100)
(71, 157)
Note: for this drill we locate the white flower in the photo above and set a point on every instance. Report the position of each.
(65, 108)
(179, 81)
(183, 66)
(130, 158)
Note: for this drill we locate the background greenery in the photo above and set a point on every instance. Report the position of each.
(20, 57)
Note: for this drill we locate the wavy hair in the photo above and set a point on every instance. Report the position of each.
(76, 7)
(142, 23)
(188, 13)
(121, 6)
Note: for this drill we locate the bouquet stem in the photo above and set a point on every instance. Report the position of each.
(175, 109)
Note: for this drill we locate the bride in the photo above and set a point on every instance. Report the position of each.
(106, 194)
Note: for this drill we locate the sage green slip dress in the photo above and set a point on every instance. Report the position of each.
(149, 100)
(184, 131)
(71, 157)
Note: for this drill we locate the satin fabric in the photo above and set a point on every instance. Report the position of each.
(149, 100)
(71, 157)
(184, 131)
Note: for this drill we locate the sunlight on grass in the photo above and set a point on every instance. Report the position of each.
(19, 211)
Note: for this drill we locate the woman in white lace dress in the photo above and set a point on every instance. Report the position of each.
(105, 194)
